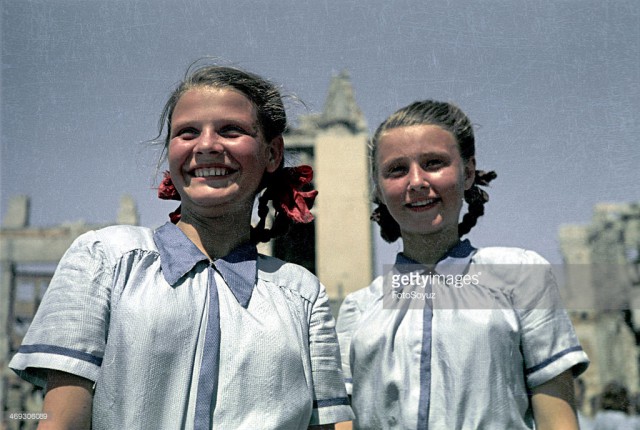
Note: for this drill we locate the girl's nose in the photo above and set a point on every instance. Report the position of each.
(209, 143)
(417, 179)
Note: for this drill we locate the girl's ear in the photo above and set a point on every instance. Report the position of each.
(469, 172)
(275, 153)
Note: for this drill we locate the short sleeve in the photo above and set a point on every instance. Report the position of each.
(549, 342)
(330, 403)
(69, 330)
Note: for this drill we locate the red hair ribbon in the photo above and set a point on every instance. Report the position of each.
(286, 191)
(167, 191)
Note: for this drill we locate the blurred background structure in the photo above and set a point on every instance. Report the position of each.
(602, 293)
(334, 142)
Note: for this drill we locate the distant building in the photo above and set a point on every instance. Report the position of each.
(602, 293)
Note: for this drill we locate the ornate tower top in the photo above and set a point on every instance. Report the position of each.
(340, 108)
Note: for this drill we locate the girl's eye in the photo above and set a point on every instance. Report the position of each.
(187, 133)
(395, 170)
(232, 131)
(432, 164)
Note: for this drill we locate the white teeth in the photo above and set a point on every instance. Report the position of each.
(421, 203)
(213, 171)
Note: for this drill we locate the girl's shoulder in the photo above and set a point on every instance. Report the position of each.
(114, 241)
(133, 235)
(361, 299)
(507, 255)
(290, 276)
(513, 270)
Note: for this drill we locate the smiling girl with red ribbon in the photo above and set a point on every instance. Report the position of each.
(187, 326)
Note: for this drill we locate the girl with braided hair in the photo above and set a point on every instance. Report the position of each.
(451, 337)
(188, 326)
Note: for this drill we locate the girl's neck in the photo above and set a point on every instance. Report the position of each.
(428, 249)
(216, 237)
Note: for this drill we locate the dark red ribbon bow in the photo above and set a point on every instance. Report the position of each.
(167, 191)
(288, 195)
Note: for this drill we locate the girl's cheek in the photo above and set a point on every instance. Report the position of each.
(177, 154)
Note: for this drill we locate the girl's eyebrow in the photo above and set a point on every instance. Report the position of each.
(392, 160)
(431, 153)
(219, 123)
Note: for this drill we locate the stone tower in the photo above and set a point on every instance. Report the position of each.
(334, 142)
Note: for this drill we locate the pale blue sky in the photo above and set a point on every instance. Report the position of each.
(553, 85)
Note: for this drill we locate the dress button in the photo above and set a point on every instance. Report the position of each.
(392, 421)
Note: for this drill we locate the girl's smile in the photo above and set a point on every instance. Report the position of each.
(215, 175)
(423, 205)
(212, 172)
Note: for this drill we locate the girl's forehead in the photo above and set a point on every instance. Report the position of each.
(417, 131)
(200, 99)
(213, 90)
(416, 138)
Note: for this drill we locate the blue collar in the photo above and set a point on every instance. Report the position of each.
(179, 255)
(454, 261)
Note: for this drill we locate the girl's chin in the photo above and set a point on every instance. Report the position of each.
(436, 228)
(216, 206)
(208, 196)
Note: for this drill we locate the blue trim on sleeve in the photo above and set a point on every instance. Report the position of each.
(330, 402)
(348, 380)
(60, 350)
(551, 359)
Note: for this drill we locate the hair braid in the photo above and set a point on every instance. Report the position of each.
(475, 198)
(280, 225)
(389, 228)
